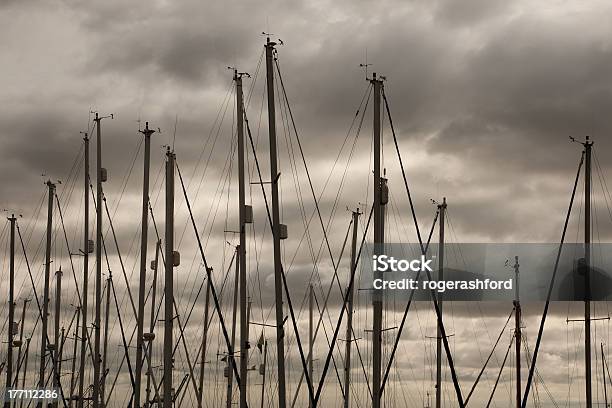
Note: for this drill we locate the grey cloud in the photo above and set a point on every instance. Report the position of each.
(483, 96)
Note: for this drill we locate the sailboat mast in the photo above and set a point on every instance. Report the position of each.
(84, 334)
(587, 273)
(143, 262)
(310, 335)
(442, 210)
(204, 343)
(25, 367)
(603, 372)
(57, 312)
(377, 304)
(263, 373)
(100, 177)
(11, 314)
(45, 306)
(20, 344)
(230, 356)
(74, 355)
(517, 333)
(105, 345)
(60, 356)
(349, 315)
(169, 282)
(274, 175)
(244, 320)
(155, 266)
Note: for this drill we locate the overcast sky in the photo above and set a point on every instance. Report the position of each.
(483, 93)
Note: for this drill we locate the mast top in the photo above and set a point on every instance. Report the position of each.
(146, 131)
(378, 79)
(99, 118)
(269, 43)
(238, 74)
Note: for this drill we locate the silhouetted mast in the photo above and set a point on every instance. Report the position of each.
(244, 218)
(86, 251)
(151, 334)
(230, 356)
(25, 367)
(276, 227)
(169, 283)
(377, 305)
(143, 262)
(442, 210)
(45, 306)
(100, 178)
(603, 372)
(349, 315)
(56, 332)
(19, 343)
(74, 355)
(587, 272)
(204, 343)
(11, 313)
(310, 335)
(517, 333)
(105, 341)
(262, 371)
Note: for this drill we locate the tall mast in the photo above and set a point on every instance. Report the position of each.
(105, 345)
(154, 267)
(310, 335)
(230, 356)
(244, 320)
(603, 369)
(274, 176)
(11, 316)
(262, 371)
(45, 311)
(517, 333)
(98, 285)
(84, 334)
(377, 306)
(100, 177)
(20, 344)
(349, 315)
(249, 304)
(204, 343)
(587, 273)
(60, 356)
(74, 355)
(143, 261)
(169, 283)
(56, 332)
(442, 209)
(25, 367)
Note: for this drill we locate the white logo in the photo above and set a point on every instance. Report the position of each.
(384, 263)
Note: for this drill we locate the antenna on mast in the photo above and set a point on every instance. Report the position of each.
(174, 135)
(366, 65)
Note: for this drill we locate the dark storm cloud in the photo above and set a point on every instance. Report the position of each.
(469, 13)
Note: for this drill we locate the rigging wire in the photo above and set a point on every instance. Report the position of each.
(550, 288)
